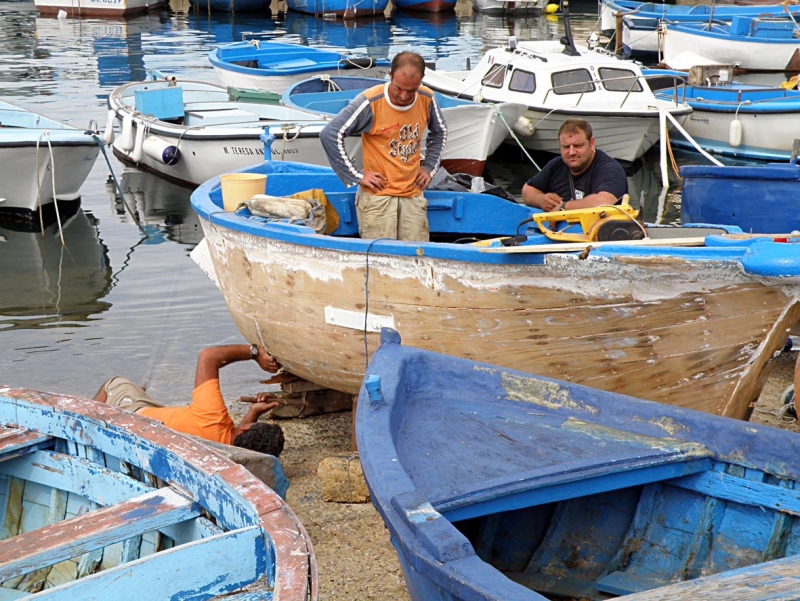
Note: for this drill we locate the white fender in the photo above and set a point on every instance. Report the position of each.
(127, 141)
(524, 127)
(735, 133)
(138, 154)
(161, 150)
(108, 134)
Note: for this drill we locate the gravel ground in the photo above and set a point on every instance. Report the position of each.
(354, 555)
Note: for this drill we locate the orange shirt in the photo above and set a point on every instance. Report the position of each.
(393, 145)
(206, 417)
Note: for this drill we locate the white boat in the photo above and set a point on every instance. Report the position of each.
(35, 152)
(748, 42)
(190, 131)
(502, 7)
(590, 84)
(98, 8)
(474, 130)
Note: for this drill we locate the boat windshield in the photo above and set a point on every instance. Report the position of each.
(574, 81)
(619, 80)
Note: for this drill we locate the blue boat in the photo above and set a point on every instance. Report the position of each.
(103, 504)
(671, 318)
(474, 130)
(758, 198)
(498, 485)
(349, 9)
(737, 119)
(748, 42)
(232, 6)
(640, 20)
(273, 66)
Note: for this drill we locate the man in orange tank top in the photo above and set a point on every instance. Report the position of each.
(207, 416)
(392, 119)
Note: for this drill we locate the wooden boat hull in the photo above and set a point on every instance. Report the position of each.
(752, 197)
(669, 327)
(99, 502)
(98, 8)
(498, 485)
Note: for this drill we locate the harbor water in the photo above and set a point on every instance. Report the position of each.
(120, 299)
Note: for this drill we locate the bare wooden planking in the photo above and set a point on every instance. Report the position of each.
(636, 326)
(777, 580)
(46, 546)
(227, 562)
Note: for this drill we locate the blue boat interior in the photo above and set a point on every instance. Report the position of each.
(572, 492)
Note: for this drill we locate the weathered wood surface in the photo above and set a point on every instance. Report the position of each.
(694, 335)
(142, 449)
(17, 441)
(226, 562)
(777, 580)
(43, 547)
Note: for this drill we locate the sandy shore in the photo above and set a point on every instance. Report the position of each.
(355, 558)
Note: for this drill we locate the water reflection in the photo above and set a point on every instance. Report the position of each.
(48, 283)
(162, 209)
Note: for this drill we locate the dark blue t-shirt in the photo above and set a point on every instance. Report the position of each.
(603, 175)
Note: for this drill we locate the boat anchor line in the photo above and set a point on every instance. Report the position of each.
(663, 115)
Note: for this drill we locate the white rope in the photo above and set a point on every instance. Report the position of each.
(46, 134)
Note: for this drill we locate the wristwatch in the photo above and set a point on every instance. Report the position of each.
(254, 351)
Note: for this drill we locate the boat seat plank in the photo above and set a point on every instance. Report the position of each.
(82, 476)
(770, 581)
(741, 490)
(228, 562)
(564, 481)
(17, 441)
(45, 546)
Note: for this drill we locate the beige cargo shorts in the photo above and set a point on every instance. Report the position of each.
(124, 394)
(397, 217)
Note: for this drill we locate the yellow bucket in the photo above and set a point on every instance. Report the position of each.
(240, 187)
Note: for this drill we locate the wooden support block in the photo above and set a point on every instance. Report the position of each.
(343, 480)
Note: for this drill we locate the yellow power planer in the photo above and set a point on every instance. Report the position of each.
(598, 224)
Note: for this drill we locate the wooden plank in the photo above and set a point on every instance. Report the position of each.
(51, 544)
(777, 580)
(227, 562)
(17, 441)
(81, 476)
(741, 490)
(565, 247)
(549, 487)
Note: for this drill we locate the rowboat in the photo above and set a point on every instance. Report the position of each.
(190, 131)
(349, 9)
(748, 42)
(102, 504)
(274, 67)
(98, 8)
(36, 155)
(497, 485)
(694, 326)
(640, 20)
(757, 198)
(474, 130)
(557, 82)
(737, 119)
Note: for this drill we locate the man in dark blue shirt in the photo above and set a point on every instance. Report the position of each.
(582, 177)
